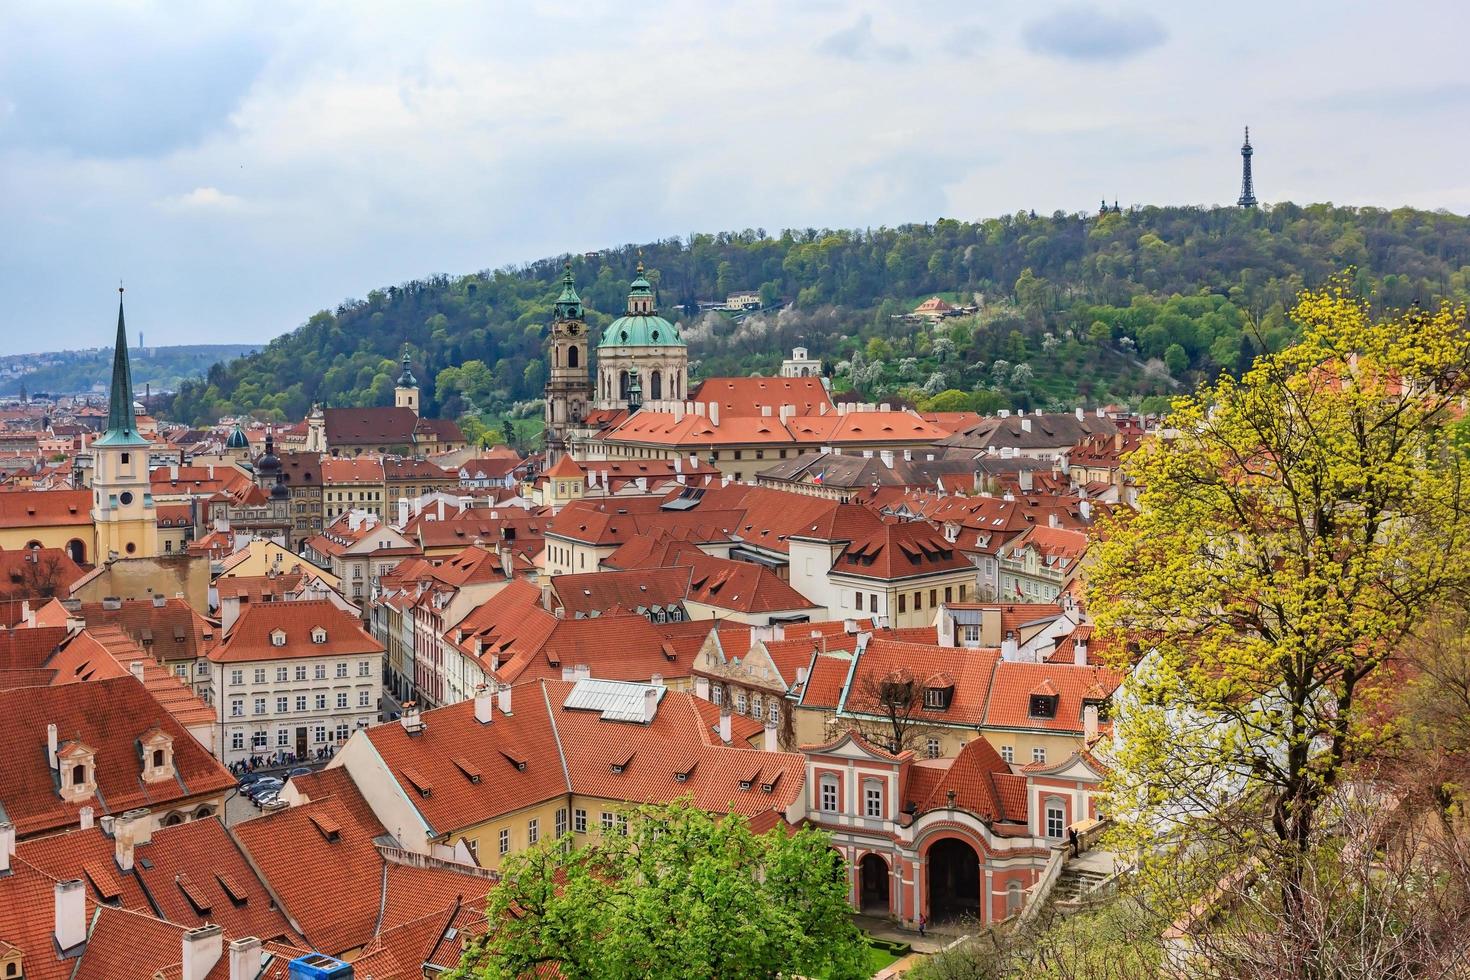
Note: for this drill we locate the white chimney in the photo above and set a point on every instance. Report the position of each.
(772, 742)
(71, 914)
(1010, 649)
(725, 723)
(1079, 652)
(84, 818)
(657, 680)
(136, 669)
(483, 714)
(1089, 722)
(504, 696)
(7, 846)
(887, 456)
(583, 672)
(51, 746)
(801, 675)
(245, 958)
(411, 720)
(714, 413)
(128, 831)
(650, 704)
(1084, 507)
(202, 948)
(1025, 425)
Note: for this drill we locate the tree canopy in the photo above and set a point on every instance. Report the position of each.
(673, 893)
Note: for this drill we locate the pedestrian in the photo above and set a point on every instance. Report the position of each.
(923, 923)
(1075, 841)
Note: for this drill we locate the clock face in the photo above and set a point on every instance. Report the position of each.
(572, 329)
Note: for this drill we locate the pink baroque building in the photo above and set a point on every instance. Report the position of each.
(961, 838)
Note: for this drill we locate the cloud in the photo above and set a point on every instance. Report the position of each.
(203, 199)
(859, 43)
(1082, 32)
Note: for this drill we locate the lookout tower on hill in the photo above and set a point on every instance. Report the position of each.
(1247, 186)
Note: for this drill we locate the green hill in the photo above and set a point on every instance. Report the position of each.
(1073, 308)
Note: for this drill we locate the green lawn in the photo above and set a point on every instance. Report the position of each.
(878, 958)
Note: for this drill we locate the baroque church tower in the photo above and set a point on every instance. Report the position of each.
(641, 356)
(406, 394)
(122, 500)
(567, 389)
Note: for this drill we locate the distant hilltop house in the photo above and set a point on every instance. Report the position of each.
(746, 301)
(934, 309)
(800, 365)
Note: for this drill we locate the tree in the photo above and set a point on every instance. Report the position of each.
(889, 710)
(679, 894)
(1176, 359)
(1279, 556)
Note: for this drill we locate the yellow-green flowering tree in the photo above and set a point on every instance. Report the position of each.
(1293, 527)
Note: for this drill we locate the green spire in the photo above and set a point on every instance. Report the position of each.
(406, 379)
(568, 304)
(122, 426)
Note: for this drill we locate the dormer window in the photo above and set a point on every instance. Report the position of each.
(318, 635)
(278, 638)
(78, 775)
(937, 697)
(1043, 706)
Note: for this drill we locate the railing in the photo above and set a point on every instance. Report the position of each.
(1041, 891)
(414, 859)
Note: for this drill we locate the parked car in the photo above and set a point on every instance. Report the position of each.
(248, 778)
(266, 784)
(299, 771)
(266, 799)
(274, 803)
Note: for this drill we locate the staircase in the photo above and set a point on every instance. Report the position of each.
(1080, 877)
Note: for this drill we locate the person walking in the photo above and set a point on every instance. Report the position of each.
(923, 924)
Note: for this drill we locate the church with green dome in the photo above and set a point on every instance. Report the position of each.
(641, 356)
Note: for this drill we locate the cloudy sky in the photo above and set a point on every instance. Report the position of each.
(241, 165)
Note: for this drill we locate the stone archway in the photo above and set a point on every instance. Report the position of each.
(874, 880)
(952, 871)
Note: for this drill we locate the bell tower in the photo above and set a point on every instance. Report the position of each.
(122, 499)
(406, 394)
(568, 389)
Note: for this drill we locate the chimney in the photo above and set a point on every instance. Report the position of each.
(650, 704)
(51, 746)
(583, 672)
(504, 696)
(483, 714)
(908, 455)
(1081, 415)
(714, 413)
(1010, 649)
(245, 958)
(202, 947)
(1052, 520)
(136, 669)
(1025, 425)
(887, 456)
(84, 817)
(772, 743)
(1089, 722)
(71, 914)
(657, 680)
(7, 846)
(159, 601)
(765, 411)
(1079, 652)
(1024, 481)
(801, 675)
(128, 831)
(725, 723)
(1084, 507)
(411, 720)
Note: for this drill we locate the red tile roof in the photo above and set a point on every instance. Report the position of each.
(595, 593)
(170, 631)
(250, 635)
(1014, 683)
(972, 776)
(966, 671)
(748, 396)
(901, 551)
(37, 573)
(107, 652)
(107, 716)
(45, 508)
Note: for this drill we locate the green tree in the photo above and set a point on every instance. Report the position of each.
(1176, 360)
(1278, 558)
(680, 894)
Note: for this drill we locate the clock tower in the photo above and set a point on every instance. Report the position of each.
(122, 499)
(568, 388)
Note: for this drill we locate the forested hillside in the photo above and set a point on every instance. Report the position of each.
(1073, 308)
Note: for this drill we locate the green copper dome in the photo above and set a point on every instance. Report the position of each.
(641, 326)
(237, 439)
(568, 304)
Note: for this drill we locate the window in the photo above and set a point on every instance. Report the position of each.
(259, 674)
(872, 602)
(321, 702)
(364, 699)
(182, 670)
(561, 822)
(320, 671)
(237, 740)
(773, 711)
(971, 633)
(78, 775)
(918, 601)
(962, 592)
(740, 702)
(258, 739)
(607, 822)
(341, 699)
(948, 593)
(283, 738)
(237, 707)
(756, 706)
(504, 842)
(872, 798)
(260, 706)
(937, 697)
(343, 732)
(237, 677)
(1013, 897)
(278, 638)
(283, 674)
(1056, 819)
(903, 603)
(319, 734)
(1038, 754)
(829, 793)
(579, 821)
(1007, 754)
(623, 824)
(301, 702)
(364, 668)
(931, 748)
(933, 598)
(1043, 706)
(342, 669)
(283, 704)
(301, 672)
(717, 695)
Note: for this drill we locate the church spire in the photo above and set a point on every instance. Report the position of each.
(568, 304)
(122, 425)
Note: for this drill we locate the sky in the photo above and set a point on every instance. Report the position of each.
(242, 165)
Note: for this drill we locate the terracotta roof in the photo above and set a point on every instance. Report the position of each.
(595, 593)
(26, 649)
(740, 586)
(107, 652)
(171, 631)
(88, 855)
(369, 426)
(966, 673)
(900, 551)
(972, 775)
(748, 396)
(355, 469)
(107, 716)
(1014, 683)
(566, 468)
(397, 469)
(45, 508)
(824, 685)
(249, 637)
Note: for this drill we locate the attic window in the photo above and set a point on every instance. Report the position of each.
(104, 881)
(514, 760)
(278, 638)
(471, 771)
(318, 635)
(770, 786)
(196, 897)
(938, 698)
(417, 780)
(232, 888)
(1043, 706)
(327, 827)
(620, 763)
